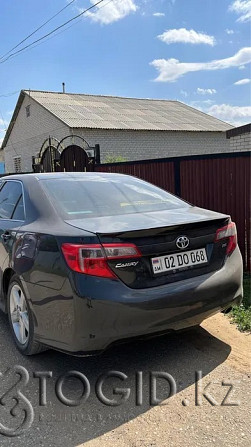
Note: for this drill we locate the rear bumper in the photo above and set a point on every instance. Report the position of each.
(106, 312)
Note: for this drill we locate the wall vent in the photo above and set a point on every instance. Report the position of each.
(17, 164)
(28, 110)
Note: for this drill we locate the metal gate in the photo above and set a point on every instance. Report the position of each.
(71, 154)
(45, 162)
(73, 158)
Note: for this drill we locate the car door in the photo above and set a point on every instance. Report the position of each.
(12, 216)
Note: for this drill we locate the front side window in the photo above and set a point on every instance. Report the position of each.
(11, 201)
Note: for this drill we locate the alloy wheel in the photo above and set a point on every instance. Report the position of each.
(19, 314)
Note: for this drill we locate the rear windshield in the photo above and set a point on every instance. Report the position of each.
(93, 196)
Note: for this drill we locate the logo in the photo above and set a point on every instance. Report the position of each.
(126, 264)
(182, 242)
(14, 406)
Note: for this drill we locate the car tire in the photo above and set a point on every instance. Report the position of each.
(21, 319)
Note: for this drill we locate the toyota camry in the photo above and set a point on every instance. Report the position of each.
(92, 259)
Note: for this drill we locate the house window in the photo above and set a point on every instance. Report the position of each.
(17, 164)
(28, 110)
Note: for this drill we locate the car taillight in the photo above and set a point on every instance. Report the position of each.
(92, 259)
(230, 234)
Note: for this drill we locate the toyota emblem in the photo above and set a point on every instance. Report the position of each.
(182, 242)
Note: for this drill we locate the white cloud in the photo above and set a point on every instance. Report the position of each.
(201, 104)
(206, 91)
(229, 31)
(208, 102)
(172, 69)
(184, 93)
(4, 124)
(184, 35)
(243, 9)
(1, 140)
(159, 14)
(237, 115)
(111, 12)
(243, 81)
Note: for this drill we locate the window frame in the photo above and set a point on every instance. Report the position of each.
(22, 186)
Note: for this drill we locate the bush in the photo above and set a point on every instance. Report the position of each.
(114, 159)
(241, 315)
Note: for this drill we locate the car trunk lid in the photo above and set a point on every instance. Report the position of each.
(155, 235)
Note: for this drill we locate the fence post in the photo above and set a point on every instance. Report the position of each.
(177, 178)
(97, 154)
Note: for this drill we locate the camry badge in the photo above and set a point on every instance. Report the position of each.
(126, 264)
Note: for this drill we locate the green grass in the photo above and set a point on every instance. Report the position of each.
(241, 315)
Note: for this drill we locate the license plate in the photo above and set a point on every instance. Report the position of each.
(179, 260)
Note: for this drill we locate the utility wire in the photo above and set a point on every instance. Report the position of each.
(6, 95)
(53, 31)
(36, 30)
(63, 30)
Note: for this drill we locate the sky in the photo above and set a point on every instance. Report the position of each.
(194, 51)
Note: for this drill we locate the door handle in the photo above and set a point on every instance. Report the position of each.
(6, 236)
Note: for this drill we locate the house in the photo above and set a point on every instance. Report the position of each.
(132, 128)
(240, 138)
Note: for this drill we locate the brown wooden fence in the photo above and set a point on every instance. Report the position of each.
(219, 182)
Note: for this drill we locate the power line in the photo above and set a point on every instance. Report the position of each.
(6, 95)
(37, 29)
(53, 31)
(63, 30)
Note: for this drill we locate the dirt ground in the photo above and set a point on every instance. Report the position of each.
(177, 421)
(240, 342)
(212, 410)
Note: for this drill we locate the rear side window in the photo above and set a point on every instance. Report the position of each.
(93, 196)
(11, 201)
(18, 213)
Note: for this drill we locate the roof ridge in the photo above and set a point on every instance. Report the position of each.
(101, 96)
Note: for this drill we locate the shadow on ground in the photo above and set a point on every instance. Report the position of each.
(57, 425)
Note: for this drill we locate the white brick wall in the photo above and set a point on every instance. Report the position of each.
(28, 135)
(241, 142)
(140, 145)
